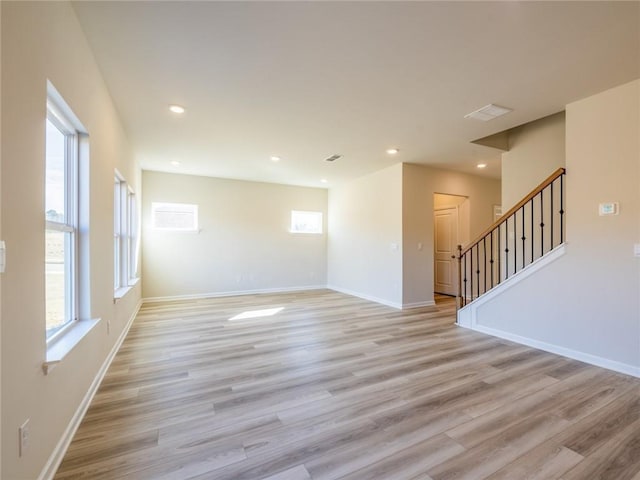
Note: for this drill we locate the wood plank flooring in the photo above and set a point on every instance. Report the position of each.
(320, 385)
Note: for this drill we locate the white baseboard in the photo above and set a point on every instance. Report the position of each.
(49, 470)
(364, 296)
(232, 293)
(427, 303)
(371, 298)
(565, 352)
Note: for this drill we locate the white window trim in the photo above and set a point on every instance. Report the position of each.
(70, 224)
(63, 341)
(133, 237)
(125, 236)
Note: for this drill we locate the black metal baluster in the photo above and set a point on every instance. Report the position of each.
(541, 223)
(484, 261)
(552, 215)
(464, 290)
(561, 208)
(515, 243)
(524, 238)
(506, 250)
(471, 273)
(532, 235)
(491, 262)
(478, 269)
(499, 254)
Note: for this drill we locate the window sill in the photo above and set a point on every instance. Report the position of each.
(58, 349)
(119, 293)
(122, 291)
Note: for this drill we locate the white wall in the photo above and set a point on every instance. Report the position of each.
(536, 150)
(365, 237)
(587, 301)
(40, 41)
(419, 185)
(244, 244)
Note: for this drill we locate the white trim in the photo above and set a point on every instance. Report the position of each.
(232, 293)
(364, 296)
(62, 342)
(565, 352)
(50, 468)
(121, 292)
(426, 303)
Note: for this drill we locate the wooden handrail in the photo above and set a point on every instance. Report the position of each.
(514, 209)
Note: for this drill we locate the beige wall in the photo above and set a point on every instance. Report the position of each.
(40, 41)
(419, 185)
(536, 150)
(0, 238)
(244, 244)
(586, 302)
(365, 237)
(394, 207)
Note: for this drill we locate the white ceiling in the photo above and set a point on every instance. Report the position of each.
(305, 80)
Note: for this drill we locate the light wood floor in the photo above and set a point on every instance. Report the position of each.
(332, 386)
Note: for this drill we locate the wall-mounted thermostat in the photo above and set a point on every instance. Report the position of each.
(610, 208)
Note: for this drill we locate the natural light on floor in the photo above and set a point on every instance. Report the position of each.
(266, 312)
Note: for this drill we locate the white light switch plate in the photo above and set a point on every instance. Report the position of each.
(3, 256)
(636, 249)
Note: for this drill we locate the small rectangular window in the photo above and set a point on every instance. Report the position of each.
(306, 222)
(174, 216)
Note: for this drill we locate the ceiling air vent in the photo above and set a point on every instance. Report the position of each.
(488, 112)
(332, 158)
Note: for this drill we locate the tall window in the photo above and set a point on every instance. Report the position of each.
(118, 224)
(131, 239)
(61, 214)
(124, 235)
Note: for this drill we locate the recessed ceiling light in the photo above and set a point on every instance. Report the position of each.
(176, 108)
(274, 158)
(175, 163)
(323, 180)
(488, 112)
(392, 151)
(481, 165)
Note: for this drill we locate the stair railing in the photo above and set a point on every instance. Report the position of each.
(528, 231)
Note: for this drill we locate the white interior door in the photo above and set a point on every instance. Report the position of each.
(445, 244)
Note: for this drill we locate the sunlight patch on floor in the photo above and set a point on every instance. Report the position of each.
(265, 312)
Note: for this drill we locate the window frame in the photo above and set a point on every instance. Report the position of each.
(70, 225)
(117, 231)
(318, 214)
(195, 211)
(125, 236)
(132, 236)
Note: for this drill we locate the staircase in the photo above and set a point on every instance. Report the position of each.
(523, 236)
